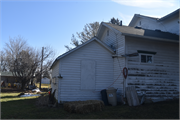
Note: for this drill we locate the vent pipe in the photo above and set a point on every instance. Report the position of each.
(120, 24)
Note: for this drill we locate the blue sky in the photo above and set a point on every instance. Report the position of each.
(45, 22)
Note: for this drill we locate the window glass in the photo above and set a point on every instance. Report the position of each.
(149, 59)
(143, 58)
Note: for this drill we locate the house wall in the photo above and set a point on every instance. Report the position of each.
(118, 41)
(55, 72)
(70, 85)
(45, 80)
(160, 79)
(170, 25)
(9, 79)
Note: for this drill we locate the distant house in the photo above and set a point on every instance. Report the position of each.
(45, 80)
(151, 57)
(8, 77)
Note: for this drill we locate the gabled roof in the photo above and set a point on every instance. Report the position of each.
(80, 46)
(137, 16)
(176, 12)
(145, 33)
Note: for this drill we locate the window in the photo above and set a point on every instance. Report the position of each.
(146, 58)
(107, 32)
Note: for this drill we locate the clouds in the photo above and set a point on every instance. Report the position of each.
(148, 3)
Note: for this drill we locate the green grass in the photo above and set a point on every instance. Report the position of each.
(25, 108)
(6, 97)
(43, 85)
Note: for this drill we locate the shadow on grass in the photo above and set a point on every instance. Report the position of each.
(16, 98)
(9, 97)
(26, 109)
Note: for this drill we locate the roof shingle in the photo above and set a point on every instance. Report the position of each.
(145, 32)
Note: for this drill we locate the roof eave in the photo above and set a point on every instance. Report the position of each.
(111, 28)
(133, 21)
(92, 39)
(154, 38)
(176, 12)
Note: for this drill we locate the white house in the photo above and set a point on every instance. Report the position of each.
(152, 59)
(151, 56)
(45, 80)
(85, 70)
(168, 23)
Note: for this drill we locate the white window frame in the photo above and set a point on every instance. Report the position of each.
(146, 59)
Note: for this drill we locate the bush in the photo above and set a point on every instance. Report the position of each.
(84, 106)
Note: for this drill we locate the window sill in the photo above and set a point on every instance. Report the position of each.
(152, 64)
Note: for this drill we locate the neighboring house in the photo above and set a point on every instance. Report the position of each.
(151, 56)
(168, 23)
(45, 80)
(8, 77)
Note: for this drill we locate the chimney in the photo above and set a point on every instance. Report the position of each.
(120, 24)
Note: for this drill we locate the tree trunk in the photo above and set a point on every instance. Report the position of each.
(23, 85)
(31, 82)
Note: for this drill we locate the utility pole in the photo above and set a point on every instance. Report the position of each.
(41, 67)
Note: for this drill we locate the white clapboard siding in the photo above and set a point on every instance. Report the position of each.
(119, 64)
(118, 41)
(170, 25)
(70, 69)
(160, 79)
(115, 39)
(55, 73)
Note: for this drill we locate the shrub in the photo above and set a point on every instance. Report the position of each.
(84, 106)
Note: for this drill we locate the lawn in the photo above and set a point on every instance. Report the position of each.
(25, 108)
(43, 85)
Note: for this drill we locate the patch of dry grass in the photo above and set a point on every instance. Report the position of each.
(43, 85)
(84, 106)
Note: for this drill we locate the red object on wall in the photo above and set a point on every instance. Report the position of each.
(125, 72)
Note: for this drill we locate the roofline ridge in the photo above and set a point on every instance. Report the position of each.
(72, 50)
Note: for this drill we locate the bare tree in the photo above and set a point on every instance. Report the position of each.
(3, 61)
(46, 74)
(88, 32)
(67, 47)
(24, 61)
